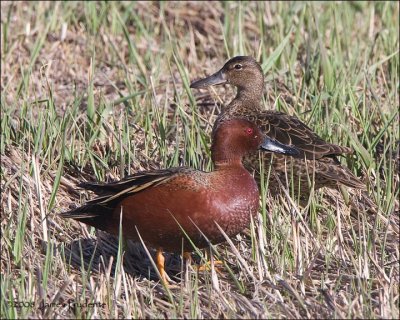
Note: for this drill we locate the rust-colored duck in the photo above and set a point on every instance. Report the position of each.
(317, 162)
(159, 204)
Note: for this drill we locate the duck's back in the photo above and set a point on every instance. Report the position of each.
(284, 128)
(317, 162)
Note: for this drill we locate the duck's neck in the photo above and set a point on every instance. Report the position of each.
(249, 96)
(223, 157)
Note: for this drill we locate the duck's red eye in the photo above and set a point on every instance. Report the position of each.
(249, 131)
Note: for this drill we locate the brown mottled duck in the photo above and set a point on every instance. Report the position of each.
(317, 164)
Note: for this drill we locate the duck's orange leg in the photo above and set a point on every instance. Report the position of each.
(217, 263)
(160, 261)
(207, 266)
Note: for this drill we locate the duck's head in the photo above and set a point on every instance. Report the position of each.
(244, 72)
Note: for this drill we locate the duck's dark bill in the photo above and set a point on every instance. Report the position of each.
(277, 147)
(216, 78)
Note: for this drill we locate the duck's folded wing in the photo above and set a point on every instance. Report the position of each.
(291, 131)
(110, 194)
(137, 181)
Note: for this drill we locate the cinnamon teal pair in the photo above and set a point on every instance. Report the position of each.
(317, 162)
(160, 204)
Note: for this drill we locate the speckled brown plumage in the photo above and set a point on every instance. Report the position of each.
(317, 163)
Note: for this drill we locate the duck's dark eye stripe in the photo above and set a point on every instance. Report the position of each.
(238, 66)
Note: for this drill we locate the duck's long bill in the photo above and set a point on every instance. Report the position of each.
(277, 147)
(216, 78)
